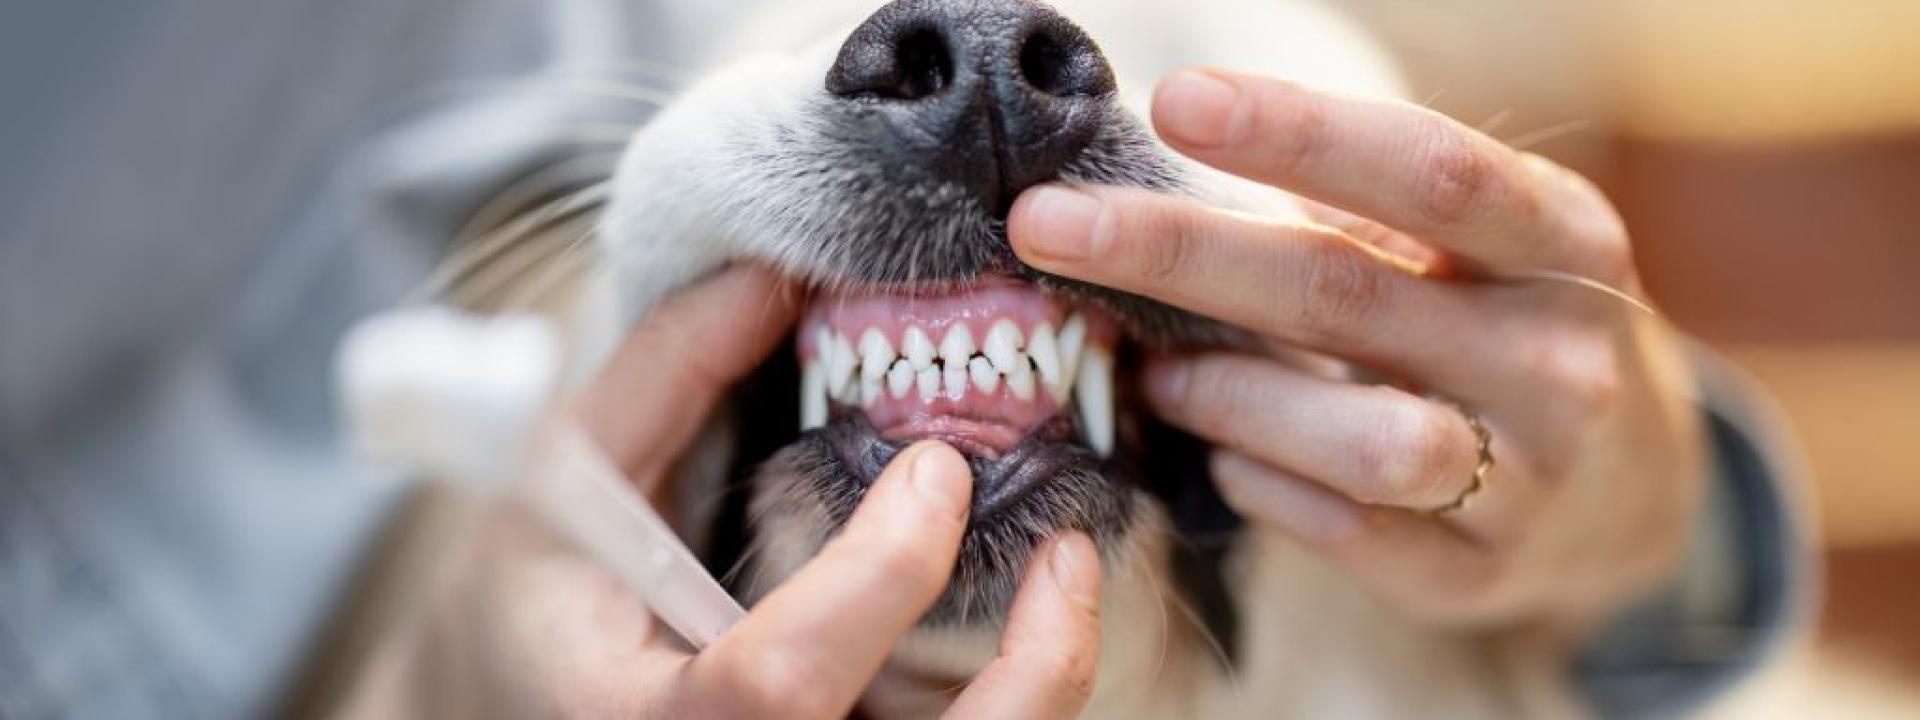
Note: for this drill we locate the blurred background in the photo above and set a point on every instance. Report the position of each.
(1765, 153)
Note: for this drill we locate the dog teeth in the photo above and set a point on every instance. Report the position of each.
(840, 361)
(1093, 392)
(1020, 382)
(1073, 337)
(900, 379)
(957, 347)
(1057, 362)
(1002, 346)
(954, 376)
(928, 381)
(1045, 353)
(813, 396)
(917, 348)
(876, 354)
(984, 376)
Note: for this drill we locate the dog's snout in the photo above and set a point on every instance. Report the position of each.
(991, 95)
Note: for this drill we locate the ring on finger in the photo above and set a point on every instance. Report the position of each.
(1482, 467)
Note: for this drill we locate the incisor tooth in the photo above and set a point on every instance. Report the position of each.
(899, 379)
(1093, 392)
(1046, 360)
(876, 354)
(928, 381)
(955, 376)
(867, 391)
(813, 396)
(984, 376)
(840, 361)
(1073, 338)
(917, 347)
(957, 347)
(1020, 381)
(1002, 346)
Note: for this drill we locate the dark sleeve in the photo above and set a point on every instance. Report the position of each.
(1743, 591)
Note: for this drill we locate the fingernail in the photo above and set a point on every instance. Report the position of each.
(1167, 381)
(941, 477)
(1196, 108)
(1079, 585)
(1064, 223)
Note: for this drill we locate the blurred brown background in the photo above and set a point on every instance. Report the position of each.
(1766, 154)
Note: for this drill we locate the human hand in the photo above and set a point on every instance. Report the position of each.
(1416, 227)
(529, 627)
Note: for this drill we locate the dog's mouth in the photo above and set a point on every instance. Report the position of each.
(1019, 380)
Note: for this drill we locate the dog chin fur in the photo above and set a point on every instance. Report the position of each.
(712, 179)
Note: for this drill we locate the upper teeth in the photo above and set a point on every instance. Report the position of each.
(1058, 362)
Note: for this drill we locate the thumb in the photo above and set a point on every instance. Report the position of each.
(654, 394)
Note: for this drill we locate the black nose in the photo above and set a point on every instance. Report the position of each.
(990, 95)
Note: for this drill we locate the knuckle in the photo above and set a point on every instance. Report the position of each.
(1212, 392)
(1585, 373)
(1171, 238)
(1294, 125)
(1422, 455)
(1456, 182)
(1344, 287)
(1071, 671)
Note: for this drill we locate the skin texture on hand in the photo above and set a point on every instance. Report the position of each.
(528, 627)
(1414, 220)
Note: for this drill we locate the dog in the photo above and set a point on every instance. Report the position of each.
(871, 152)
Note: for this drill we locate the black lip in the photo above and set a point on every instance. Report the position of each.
(1051, 448)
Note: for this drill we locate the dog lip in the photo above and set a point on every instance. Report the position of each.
(999, 482)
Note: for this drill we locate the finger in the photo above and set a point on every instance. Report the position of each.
(1375, 444)
(1304, 284)
(809, 649)
(1413, 560)
(1403, 165)
(645, 405)
(1049, 649)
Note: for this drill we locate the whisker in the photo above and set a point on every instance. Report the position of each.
(565, 265)
(515, 197)
(1544, 275)
(497, 278)
(1494, 121)
(608, 87)
(488, 248)
(1547, 134)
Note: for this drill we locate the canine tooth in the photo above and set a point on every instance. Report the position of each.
(955, 376)
(1020, 381)
(876, 354)
(813, 396)
(1093, 391)
(928, 381)
(1002, 346)
(984, 376)
(957, 347)
(840, 361)
(1073, 338)
(1042, 347)
(917, 348)
(899, 379)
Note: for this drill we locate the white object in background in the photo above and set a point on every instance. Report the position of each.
(469, 398)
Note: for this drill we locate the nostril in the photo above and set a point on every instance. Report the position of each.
(1044, 64)
(926, 67)
(1062, 68)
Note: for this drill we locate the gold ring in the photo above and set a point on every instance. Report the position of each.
(1485, 439)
